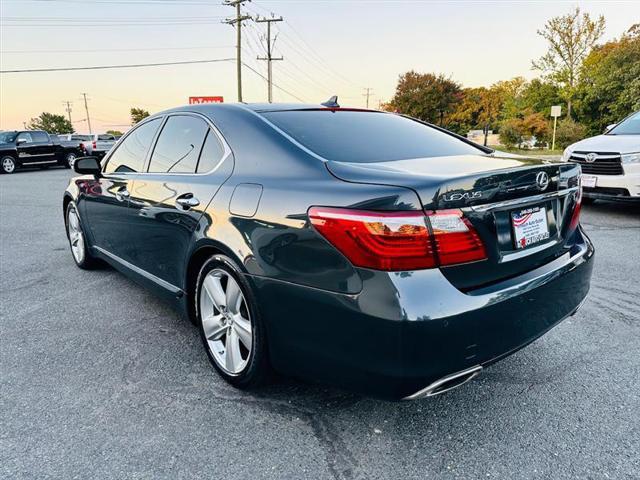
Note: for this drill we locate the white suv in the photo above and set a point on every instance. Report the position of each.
(610, 162)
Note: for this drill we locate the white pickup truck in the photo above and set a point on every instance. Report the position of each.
(99, 144)
(610, 162)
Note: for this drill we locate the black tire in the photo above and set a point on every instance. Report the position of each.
(87, 261)
(8, 164)
(588, 201)
(257, 370)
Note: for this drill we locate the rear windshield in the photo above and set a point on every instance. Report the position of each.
(631, 126)
(366, 137)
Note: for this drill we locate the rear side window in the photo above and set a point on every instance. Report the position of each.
(106, 137)
(365, 137)
(130, 155)
(40, 137)
(179, 145)
(212, 153)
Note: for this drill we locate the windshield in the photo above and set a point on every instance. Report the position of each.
(630, 126)
(7, 137)
(366, 137)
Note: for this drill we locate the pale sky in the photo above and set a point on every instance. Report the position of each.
(329, 47)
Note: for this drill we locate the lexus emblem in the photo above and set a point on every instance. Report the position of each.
(591, 157)
(542, 179)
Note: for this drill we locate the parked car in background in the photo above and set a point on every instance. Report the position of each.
(99, 144)
(34, 148)
(355, 247)
(610, 162)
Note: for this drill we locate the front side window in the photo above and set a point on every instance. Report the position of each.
(130, 155)
(25, 136)
(365, 137)
(179, 145)
(630, 126)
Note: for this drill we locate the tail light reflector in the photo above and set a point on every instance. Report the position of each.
(456, 239)
(399, 240)
(575, 217)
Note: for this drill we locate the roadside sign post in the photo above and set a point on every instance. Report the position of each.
(556, 111)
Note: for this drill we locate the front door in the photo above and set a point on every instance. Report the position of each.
(187, 167)
(106, 199)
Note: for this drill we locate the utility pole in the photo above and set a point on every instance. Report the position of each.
(269, 58)
(86, 108)
(68, 109)
(367, 94)
(237, 21)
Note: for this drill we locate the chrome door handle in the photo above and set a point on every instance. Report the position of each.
(123, 194)
(187, 201)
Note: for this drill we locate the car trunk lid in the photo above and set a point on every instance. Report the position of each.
(492, 192)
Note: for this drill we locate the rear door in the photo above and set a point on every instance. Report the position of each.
(106, 199)
(189, 163)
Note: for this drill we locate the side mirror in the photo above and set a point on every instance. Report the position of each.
(610, 127)
(20, 141)
(87, 166)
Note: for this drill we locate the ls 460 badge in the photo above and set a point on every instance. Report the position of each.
(454, 197)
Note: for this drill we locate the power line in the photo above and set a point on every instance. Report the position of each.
(104, 67)
(237, 21)
(117, 49)
(86, 108)
(274, 84)
(269, 58)
(68, 109)
(367, 94)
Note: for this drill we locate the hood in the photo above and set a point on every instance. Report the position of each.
(608, 143)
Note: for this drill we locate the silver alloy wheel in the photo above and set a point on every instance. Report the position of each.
(226, 321)
(76, 237)
(71, 159)
(8, 164)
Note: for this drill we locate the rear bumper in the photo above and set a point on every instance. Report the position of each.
(405, 330)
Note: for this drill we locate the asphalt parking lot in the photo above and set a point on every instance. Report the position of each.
(99, 379)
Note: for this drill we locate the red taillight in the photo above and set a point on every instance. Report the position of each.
(94, 143)
(575, 217)
(398, 240)
(379, 240)
(456, 239)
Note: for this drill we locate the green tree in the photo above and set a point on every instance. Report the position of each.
(512, 132)
(610, 87)
(539, 96)
(51, 123)
(569, 132)
(570, 37)
(116, 133)
(138, 114)
(427, 96)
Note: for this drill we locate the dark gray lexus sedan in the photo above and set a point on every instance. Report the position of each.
(356, 247)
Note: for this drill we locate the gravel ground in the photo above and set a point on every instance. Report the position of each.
(99, 379)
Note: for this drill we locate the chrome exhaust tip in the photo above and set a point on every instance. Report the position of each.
(446, 383)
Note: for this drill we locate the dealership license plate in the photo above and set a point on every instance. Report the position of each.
(589, 181)
(530, 226)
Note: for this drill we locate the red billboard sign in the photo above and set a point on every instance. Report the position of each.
(198, 100)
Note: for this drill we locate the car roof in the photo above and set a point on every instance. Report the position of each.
(256, 107)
